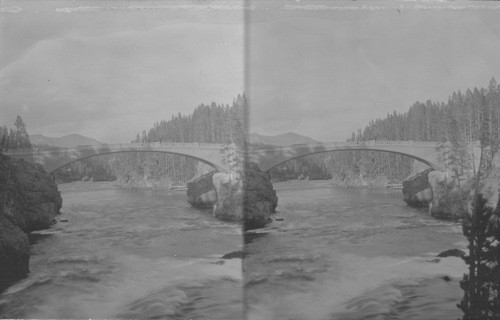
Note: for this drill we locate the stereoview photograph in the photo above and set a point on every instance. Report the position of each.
(250, 159)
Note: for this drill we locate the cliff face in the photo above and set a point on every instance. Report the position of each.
(29, 200)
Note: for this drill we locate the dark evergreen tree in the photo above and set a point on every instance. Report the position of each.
(481, 285)
(4, 136)
(22, 139)
(15, 139)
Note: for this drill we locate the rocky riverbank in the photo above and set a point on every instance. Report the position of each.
(249, 200)
(29, 200)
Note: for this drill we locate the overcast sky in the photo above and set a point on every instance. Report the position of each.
(324, 69)
(109, 69)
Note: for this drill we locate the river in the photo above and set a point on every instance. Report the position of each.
(129, 254)
(337, 254)
(351, 254)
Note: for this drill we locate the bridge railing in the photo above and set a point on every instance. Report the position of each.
(18, 151)
(138, 145)
(148, 145)
(349, 144)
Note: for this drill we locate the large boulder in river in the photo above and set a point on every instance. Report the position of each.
(29, 200)
(452, 253)
(260, 198)
(201, 192)
(229, 189)
(249, 201)
(417, 191)
(449, 202)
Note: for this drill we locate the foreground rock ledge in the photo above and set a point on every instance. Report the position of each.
(29, 200)
(249, 200)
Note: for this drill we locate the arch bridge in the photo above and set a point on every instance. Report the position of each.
(212, 153)
(424, 151)
(53, 158)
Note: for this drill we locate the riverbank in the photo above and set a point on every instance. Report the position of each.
(180, 188)
(357, 184)
(331, 183)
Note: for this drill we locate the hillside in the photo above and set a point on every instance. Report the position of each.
(65, 141)
(281, 139)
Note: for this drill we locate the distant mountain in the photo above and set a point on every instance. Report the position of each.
(281, 139)
(66, 141)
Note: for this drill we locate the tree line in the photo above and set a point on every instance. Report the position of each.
(214, 123)
(467, 117)
(208, 123)
(15, 138)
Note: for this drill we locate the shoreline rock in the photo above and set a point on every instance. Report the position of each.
(29, 201)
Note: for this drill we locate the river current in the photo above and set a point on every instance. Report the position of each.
(351, 254)
(129, 254)
(333, 253)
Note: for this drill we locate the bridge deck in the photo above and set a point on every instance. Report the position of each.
(211, 153)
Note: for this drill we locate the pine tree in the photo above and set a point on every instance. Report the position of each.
(481, 286)
(22, 139)
(482, 228)
(4, 136)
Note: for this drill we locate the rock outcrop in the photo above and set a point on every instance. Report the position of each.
(452, 253)
(449, 202)
(417, 191)
(14, 253)
(490, 184)
(201, 192)
(29, 200)
(260, 200)
(439, 192)
(229, 191)
(249, 201)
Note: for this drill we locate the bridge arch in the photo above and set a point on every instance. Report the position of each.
(423, 151)
(54, 158)
(215, 166)
(427, 162)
